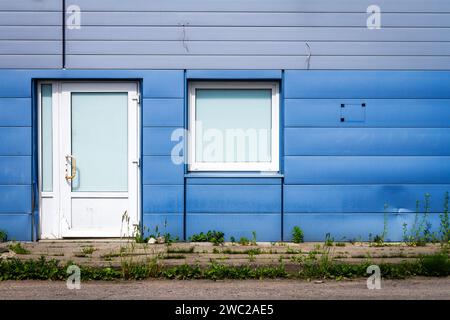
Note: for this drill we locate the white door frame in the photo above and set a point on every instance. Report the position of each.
(62, 195)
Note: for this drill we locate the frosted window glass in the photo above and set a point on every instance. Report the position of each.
(233, 125)
(99, 141)
(47, 138)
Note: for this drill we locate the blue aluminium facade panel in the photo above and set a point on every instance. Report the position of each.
(336, 175)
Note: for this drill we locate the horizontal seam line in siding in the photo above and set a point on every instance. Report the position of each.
(237, 40)
(318, 127)
(362, 26)
(267, 11)
(360, 98)
(232, 55)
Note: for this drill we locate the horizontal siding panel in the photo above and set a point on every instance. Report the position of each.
(21, 47)
(378, 113)
(15, 141)
(266, 226)
(30, 18)
(15, 112)
(15, 170)
(163, 112)
(379, 63)
(366, 170)
(367, 141)
(229, 180)
(262, 5)
(30, 61)
(15, 84)
(255, 62)
(233, 33)
(158, 141)
(352, 226)
(17, 226)
(31, 5)
(159, 170)
(362, 198)
(283, 48)
(233, 199)
(30, 32)
(165, 223)
(15, 199)
(157, 199)
(275, 19)
(367, 84)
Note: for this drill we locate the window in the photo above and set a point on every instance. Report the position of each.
(46, 137)
(233, 126)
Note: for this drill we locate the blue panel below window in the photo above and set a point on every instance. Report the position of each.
(233, 198)
(266, 226)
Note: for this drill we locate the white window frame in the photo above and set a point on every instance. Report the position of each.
(272, 166)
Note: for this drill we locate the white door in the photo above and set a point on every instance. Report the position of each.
(97, 162)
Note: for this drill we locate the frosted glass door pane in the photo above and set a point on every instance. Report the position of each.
(239, 119)
(99, 141)
(46, 138)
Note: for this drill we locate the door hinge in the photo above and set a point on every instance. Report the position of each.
(137, 98)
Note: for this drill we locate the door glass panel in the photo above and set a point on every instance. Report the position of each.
(47, 138)
(99, 141)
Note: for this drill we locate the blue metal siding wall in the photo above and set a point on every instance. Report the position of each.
(163, 181)
(236, 206)
(339, 175)
(15, 159)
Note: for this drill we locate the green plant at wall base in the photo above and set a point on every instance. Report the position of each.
(433, 265)
(254, 238)
(232, 239)
(3, 236)
(420, 232)
(243, 241)
(297, 235)
(18, 249)
(216, 237)
(444, 228)
(88, 250)
(379, 240)
(329, 241)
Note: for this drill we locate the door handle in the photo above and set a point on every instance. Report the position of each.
(73, 167)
